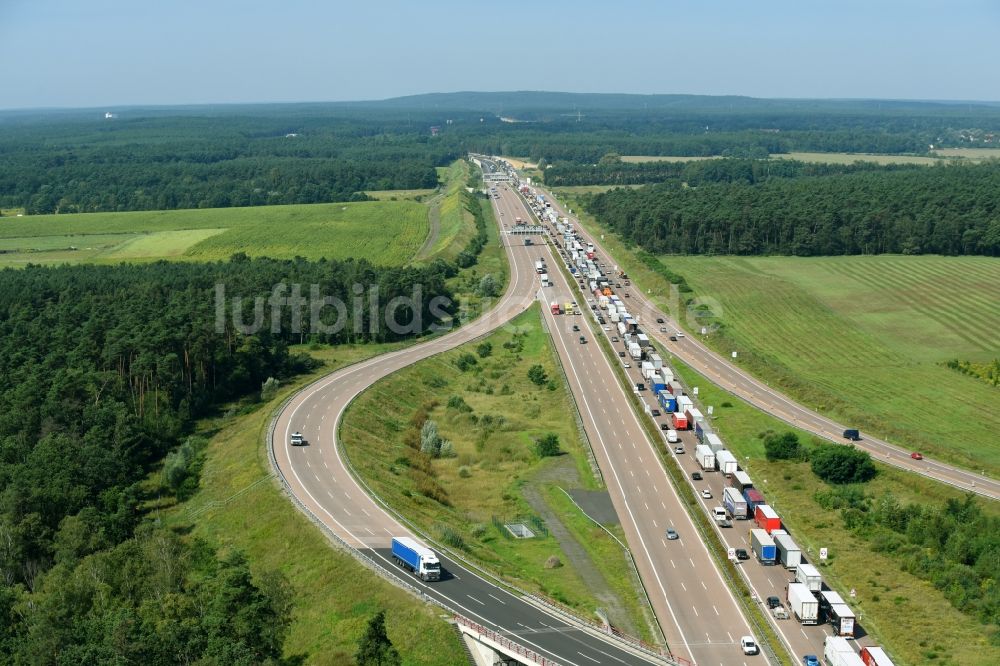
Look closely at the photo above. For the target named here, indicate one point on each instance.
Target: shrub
(484, 349)
(458, 403)
(430, 441)
(447, 449)
(466, 361)
(547, 445)
(835, 463)
(464, 471)
(782, 447)
(536, 374)
(269, 389)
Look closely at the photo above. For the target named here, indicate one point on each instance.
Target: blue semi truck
(416, 557)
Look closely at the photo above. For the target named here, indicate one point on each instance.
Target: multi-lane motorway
(728, 376)
(318, 476)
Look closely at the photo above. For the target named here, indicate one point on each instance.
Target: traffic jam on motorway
(667, 403)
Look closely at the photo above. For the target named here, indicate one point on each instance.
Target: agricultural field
(492, 414)
(830, 158)
(385, 232)
(665, 158)
(969, 153)
(865, 339)
(397, 195)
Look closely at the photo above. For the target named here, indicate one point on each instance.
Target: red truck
(766, 518)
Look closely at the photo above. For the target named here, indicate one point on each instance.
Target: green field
(395, 195)
(864, 339)
(970, 154)
(385, 232)
(495, 467)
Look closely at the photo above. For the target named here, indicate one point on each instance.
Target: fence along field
(865, 339)
(385, 232)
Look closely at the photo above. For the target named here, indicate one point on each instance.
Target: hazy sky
(116, 52)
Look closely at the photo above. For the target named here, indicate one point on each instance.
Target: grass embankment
(493, 414)
(397, 195)
(865, 340)
(907, 615)
(238, 506)
(451, 225)
(384, 232)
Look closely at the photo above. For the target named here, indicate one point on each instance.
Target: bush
(488, 286)
(547, 445)
(782, 447)
(464, 471)
(458, 403)
(466, 361)
(447, 449)
(269, 389)
(430, 441)
(840, 464)
(536, 374)
(485, 349)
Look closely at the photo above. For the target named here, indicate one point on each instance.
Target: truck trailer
(753, 498)
(715, 442)
(837, 612)
(766, 518)
(704, 456)
(556, 308)
(668, 403)
(808, 575)
(838, 652)
(735, 504)
(789, 553)
(763, 546)
(680, 421)
(803, 604)
(741, 481)
(724, 460)
(418, 558)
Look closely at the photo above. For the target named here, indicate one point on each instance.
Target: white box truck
(808, 575)
(724, 460)
(705, 458)
(803, 604)
(838, 652)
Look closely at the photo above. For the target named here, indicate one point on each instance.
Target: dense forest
(105, 368)
(610, 170)
(196, 157)
(938, 210)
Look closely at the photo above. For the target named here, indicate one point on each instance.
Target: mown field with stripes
(865, 339)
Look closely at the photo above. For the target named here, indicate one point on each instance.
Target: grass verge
(240, 506)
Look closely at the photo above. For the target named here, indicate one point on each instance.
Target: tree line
(950, 210)
(105, 369)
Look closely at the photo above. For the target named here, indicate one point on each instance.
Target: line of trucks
(770, 543)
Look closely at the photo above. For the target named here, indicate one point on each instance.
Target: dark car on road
(659, 320)
(742, 554)
(664, 426)
(696, 476)
(852, 434)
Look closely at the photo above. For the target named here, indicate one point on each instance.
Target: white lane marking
(691, 561)
(330, 494)
(325, 465)
(587, 657)
(715, 609)
(498, 599)
(476, 600)
(684, 586)
(308, 464)
(703, 585)
(695, 611)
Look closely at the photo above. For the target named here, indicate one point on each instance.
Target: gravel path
(563, 472)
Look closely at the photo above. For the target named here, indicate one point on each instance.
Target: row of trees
(939, 210)
(611, 170)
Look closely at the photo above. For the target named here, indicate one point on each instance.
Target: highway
(730, 377)
(318, 476)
